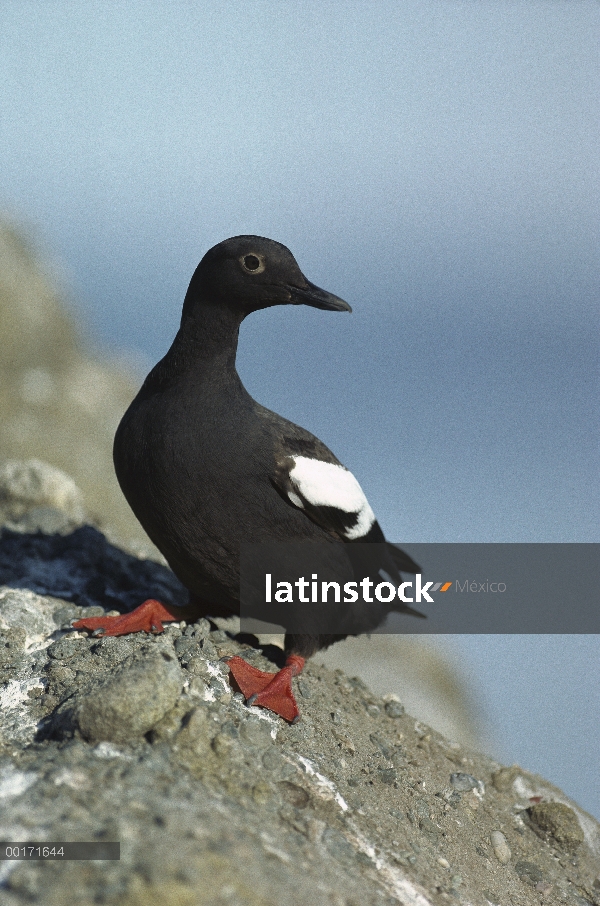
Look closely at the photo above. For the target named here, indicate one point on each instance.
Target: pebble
(198, 666)
(386, 749)
(209, 650)
(62, 674)
(222, 745)
(198, 687)
(304, 689)
(219, 636)
(112, 647)
(463, 782)
(261, 792)
(500, 847)
(443, 862)
(358, 684)
(529, 873)
(428, 827)
(131, 701)
(387, 775)
(293, 794)
(560, 822)
(451, 797)
(394, 709)
(93, 610)
(184, 645)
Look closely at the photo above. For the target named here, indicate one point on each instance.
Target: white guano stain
(110, 750)
(215, 670)
(14, 782)
(15, 698)
(327, 789)
(388, 876)
(266, 715)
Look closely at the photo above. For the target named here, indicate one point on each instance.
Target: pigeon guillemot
(204, 467)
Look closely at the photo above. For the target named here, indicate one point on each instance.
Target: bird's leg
(148, 617)
(269, 690)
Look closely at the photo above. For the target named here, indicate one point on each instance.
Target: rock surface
(142, 740)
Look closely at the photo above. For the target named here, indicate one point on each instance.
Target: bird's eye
(253, 264)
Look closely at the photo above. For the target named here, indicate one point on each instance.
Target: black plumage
(205, 467)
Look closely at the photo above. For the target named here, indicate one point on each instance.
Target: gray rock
(529, 873)
(559, 822)
(24, 610)
(38, 489)
(394, 709)
(462, 783)
(139, 739)
(130, 703)
(500, 847)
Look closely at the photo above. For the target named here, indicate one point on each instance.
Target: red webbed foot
(148, 617)
(269, 690)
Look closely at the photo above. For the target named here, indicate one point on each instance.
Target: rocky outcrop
(58, 402)
(142, 740)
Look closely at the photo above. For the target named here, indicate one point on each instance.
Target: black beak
(317, 297)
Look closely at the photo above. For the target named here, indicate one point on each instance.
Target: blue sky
(434, 163)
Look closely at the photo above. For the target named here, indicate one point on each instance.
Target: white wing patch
(327, 484)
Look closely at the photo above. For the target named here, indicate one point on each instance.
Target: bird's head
(249, 273)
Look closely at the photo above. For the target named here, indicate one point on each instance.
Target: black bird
(205, 468)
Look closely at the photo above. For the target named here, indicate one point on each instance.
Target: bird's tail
(402, 563)
(401, 559)
(384, 561)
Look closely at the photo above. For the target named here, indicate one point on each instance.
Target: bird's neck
(205, 347)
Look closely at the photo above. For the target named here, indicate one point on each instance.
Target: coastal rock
(140, 740)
